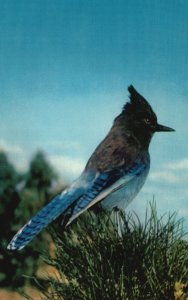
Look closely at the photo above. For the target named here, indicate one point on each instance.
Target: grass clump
(117, 257)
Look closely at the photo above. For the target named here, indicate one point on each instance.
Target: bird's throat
(143, 136)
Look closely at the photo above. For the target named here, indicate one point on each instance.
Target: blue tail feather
(44, 217)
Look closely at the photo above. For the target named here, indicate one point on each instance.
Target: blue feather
(101, 184)
(73, 201)
(49, 213)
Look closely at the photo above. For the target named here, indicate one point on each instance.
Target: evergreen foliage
(40, 175)
(98, 258)
(21, 195)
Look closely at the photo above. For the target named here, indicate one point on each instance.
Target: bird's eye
(147, 121)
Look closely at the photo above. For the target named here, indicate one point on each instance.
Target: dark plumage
(131, 133)
(113, 175)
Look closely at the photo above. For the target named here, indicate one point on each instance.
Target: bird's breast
(126, 193)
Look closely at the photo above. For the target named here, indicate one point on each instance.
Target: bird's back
(119, 149)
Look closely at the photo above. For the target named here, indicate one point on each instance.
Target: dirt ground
(43, 272)
(8, 295)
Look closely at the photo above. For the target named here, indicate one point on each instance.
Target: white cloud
(16, 154)
(67, 166)
(164, 175)
(172, 172)
(10, 148)
(178, 165)
(183, 212)
(21, 164)
(66, 145)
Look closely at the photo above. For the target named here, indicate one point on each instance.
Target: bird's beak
(160, 127)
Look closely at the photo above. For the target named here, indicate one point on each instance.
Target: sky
(64, 71)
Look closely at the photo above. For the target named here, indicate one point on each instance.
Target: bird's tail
(44, 217)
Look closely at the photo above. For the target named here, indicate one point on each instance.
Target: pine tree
(17, 206)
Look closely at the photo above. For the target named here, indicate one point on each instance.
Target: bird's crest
(137, 103)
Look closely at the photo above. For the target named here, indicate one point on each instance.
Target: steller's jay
(114, 174)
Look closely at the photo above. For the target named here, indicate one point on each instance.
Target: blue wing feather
(81, 195)
(101, 184)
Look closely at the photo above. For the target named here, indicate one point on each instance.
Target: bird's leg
(115, 215)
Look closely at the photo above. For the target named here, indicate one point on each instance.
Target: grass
(117, 257)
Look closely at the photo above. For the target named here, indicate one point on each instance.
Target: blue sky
(64, 71)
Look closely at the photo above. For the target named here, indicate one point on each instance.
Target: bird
(113, 175)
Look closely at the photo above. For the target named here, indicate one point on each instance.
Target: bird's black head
(140, 117)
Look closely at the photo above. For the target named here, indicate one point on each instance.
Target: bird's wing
(89, 189)
(105, 184)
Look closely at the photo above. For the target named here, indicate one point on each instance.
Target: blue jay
(114, 174)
